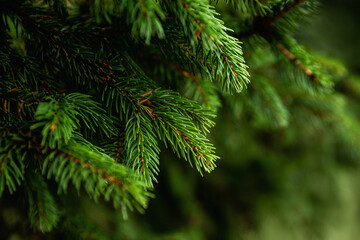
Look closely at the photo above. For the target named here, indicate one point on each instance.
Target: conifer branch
(199, 154)
(46, 32)
(65, 113)
(54, 51)
(100, 172)
(169, 119)
(220, 53)
(96, 172)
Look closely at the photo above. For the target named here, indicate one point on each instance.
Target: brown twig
(3, 161)
(296, 61)
(65, 51)
(145, 101)
(19, 110)
(5, 106)
(104, 74)
(147, 93)
(188, 51)
(14, 89)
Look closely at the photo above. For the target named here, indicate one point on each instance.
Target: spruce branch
(142, 148)
(51, 34)
(173, 118)
(202, 154)
(59, 117)
(214, 47)
(75, 161)
(91, 168)
(97, 173)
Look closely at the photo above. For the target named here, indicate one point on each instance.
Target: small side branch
(189, 51)
(296, 61)
(196, 150)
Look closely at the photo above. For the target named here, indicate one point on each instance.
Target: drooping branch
(102, 173)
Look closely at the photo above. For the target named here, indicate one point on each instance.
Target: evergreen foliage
(92, 91)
